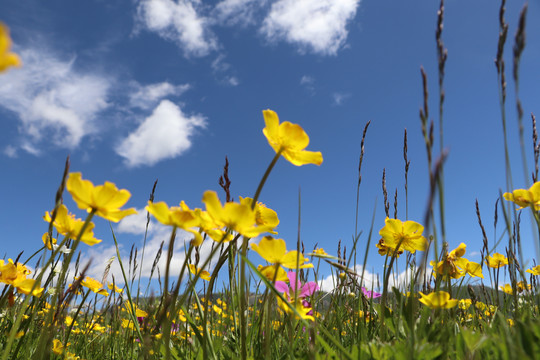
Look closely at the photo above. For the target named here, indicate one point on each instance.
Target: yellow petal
(460, 250)
(272, 274)
(293, 136)
(289, 260)
(411, 227)
(304, 157)
(160, 211)
(270, 249)
(213, 205)
(7, 59)
(272, 124)
(109, 196)
(80, 190)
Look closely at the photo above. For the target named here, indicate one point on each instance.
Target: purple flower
(370, 294)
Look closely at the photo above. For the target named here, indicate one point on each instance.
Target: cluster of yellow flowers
(454, 265)
(59, 349)
(220, 221)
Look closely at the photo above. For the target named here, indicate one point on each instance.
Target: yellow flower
(480, 306)
(264, 216)
(438, 300)
(24, 286)
(408, 234)
(203, 274)
(67, 225)
(58, 348)
(69, 320)
(94, 285)
(385, 250)
(115, 288)
(217, 309)
(300, 308)
(270, 272)
(138, 312)
(521, 286)
(535, 270)
(464, 304)
(127, 324)
(181, 217)
(525, 197)
(289, 139)
(15, 275)
(456, 266)
(497, 261)
(234, 216)
(48, 241)
(320, 252)
(507, 288)
(275, 252)
(7, 59)
(105, 199)
(181, 315)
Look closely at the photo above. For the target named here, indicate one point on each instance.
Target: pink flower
(370, 294)
(297, 290)
(304, 290)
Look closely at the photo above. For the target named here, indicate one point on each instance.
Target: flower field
(270, 305)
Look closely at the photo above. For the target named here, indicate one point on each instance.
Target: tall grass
(432, 314)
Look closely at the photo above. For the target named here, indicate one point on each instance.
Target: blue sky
(135, 91)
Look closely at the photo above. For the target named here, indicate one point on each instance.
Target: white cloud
(163, 135)
(135, 224)
(316, 25)
(10, 151)
(54, 102)
(221, 68)
(145, 97)
(232, 81)
(178, 21)
(237, 12)
(308, 82)
(219, 64)
(339, 98)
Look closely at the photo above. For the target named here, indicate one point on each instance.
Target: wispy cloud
(222, 70)
(237, 12)
(319, 26)
(54, 102)
(147, 96)
(232, 81)
(308, 82)
(10, 151)
(178, 21)
(340, 98)
(165, 134)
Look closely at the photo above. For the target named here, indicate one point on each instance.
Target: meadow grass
(261, 310)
